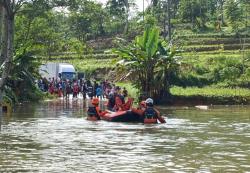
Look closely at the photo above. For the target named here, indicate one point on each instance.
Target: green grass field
(210, 92)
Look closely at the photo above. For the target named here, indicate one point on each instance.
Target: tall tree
(117, 11)
(127, 5)
(87, 20)
(2, 35)
(11, 8)
(194, 11)
(234, 13)
(120, 9)
(221, 4)
(7, 48)
(169, 19)
(163, 11)
(245, 5)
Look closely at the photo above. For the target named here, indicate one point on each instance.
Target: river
(55, 136)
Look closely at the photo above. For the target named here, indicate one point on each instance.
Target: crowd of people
(87, 88)
(116, 97)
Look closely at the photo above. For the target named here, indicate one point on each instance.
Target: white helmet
(149, 101)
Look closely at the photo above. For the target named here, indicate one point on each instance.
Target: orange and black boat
(122, 116)
(133, 115)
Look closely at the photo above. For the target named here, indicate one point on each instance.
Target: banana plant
(21, 82)
(151, 61)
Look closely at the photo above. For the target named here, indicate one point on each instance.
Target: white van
(57, 71)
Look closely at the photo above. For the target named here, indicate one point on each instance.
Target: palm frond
(152, 42)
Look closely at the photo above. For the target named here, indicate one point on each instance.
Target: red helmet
(95, 101)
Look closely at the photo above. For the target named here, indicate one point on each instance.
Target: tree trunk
(247, 6)
(143, 10)
(2, 15)
(169, 21)
(8, 53)
(192, 18)
(3, 36)
(165, 21)
(222, 12)
(127, 15)
(126, 25)
(1, 24)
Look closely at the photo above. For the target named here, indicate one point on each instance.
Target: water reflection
(55, 137)
(1, 121)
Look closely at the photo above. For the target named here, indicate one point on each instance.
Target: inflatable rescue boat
(122, 116)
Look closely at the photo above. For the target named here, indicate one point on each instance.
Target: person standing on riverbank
(99, 91)
(68, 89)
(75, 89)
(84, 90)
(125, 92)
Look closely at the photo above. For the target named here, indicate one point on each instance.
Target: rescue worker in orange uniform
(120, 104)
(149, 114)
(94, 111)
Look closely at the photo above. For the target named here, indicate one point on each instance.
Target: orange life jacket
(150, 121)
(150, 115)
(93, 113)
(121, 106)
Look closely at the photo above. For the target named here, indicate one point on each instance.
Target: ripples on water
(55, 137)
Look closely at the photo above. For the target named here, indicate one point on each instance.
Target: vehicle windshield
(68, 75)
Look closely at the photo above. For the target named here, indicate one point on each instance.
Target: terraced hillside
(207, 57)
(214, 43)
(214, 46)
(203, 55)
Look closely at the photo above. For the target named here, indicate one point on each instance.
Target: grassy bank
(210, 95)
(206, 95)
(210, 92)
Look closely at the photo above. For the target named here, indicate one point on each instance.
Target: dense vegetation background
(211, 39)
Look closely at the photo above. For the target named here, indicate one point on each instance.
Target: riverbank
(209, 95)
(208, 100)
(191, 96)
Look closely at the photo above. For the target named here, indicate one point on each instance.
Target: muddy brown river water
(55, 136)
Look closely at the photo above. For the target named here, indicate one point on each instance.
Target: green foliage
(42, 35)
(213, 53)
(151, 62)
(119, 11)
(194, 11)
(21, 85)
(210, 91)
(9, 96)
(225, 70)
(75, 45)
(233, 13)
(230, 73)
(132, 91)
(150, 21)
(116, 8)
